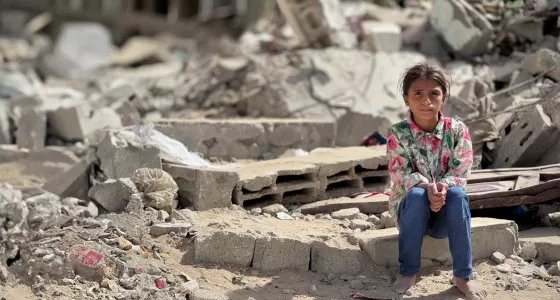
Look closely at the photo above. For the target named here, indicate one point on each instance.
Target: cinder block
(337, 256)
(381, 37)
(276, 253)
(225, 248)
(203, 188)
(487, 236)
(525, 141)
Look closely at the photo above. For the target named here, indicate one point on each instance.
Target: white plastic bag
(173, 150)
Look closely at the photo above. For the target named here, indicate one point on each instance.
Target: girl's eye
(418, 93)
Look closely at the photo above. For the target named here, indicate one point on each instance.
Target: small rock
(124, 244)
(498, 257)
(504, 268)
(349, 213)
(284, 216)
(356, 284)
(360, 224)
(526, 270)
(274, 209)
(287, 291)
(254, 273)
(388, 221)
(256, 211)
(166, 228)
(437, 273)
(528, 251)
(3, 273)
(163, 215)
(91, 211)
(542, 273)
(517, 259)
(160, 283)
(189, 287)
(374, 219)
(510, 262)
(313, 288)
(554, 270)
(49, 257)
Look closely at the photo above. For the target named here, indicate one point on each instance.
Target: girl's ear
(405, 97)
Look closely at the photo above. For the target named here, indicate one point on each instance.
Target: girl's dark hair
(426, 71)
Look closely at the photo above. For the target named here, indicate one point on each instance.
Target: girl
(430, 157)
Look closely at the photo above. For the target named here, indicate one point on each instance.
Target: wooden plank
(493, 187)
(525, 181)
(506, 201)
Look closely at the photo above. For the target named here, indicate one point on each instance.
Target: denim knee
(455, 193)
(417, 193)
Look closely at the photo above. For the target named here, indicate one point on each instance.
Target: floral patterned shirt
(415, 156)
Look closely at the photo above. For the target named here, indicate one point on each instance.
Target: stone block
(526, 140)
(371, 205)
(541, 61)
(9, 153)
(487, 236)
(381, 37)
(120, 154)
(78, 122)
(113, 195)
(225, 248)
(203, 188)
(337, 256)
(31, 131)
(276, 253)
(545, 239)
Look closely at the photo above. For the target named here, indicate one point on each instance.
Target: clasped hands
(437, 193)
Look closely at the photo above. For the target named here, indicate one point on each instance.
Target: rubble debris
(80, 121)
(166, 228)
(552, 220)
(528, 251)
(381, 37)
(31, 130)
(349, 214)
(352, 127)
(201, 294)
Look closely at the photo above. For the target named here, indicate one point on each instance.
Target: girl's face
(424, 98)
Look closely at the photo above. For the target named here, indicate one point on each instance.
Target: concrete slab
(248, 138)
(276, 253)
(546, 240)
(488, 236)
(31, 130)
(225, 248)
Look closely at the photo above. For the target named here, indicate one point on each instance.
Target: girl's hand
(436, 196)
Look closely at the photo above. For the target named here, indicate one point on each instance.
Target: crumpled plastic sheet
(173, 150)
(158, 186)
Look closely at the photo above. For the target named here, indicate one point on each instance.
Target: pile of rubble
(113, 158)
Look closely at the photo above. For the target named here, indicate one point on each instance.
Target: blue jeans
(453, 221)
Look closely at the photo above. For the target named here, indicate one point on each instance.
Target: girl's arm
(461, 160)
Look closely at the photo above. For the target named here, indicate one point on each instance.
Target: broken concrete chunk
(552, 220)
(352, 127)
(381, 37)
(9, 153)
(360, 224)
(528, 251)
(527, 28)
(158, 186)
(85, 46)
(78, 122)
(461, 26)
(13, 210)
(184, 215)
(498, 257)
(122, 146)
(542, 61)
(189, 287)
(44, 211)
(349, 213)
(74, 182)
(274, 208)
(113, 195)
(31, 130)
(166, 228)
(387, 220)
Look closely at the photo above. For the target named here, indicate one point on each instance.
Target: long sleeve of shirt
(401, 170)
(459, 163)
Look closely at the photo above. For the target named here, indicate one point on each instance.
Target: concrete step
(270, 244)
(487, 236)
(546, 240)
